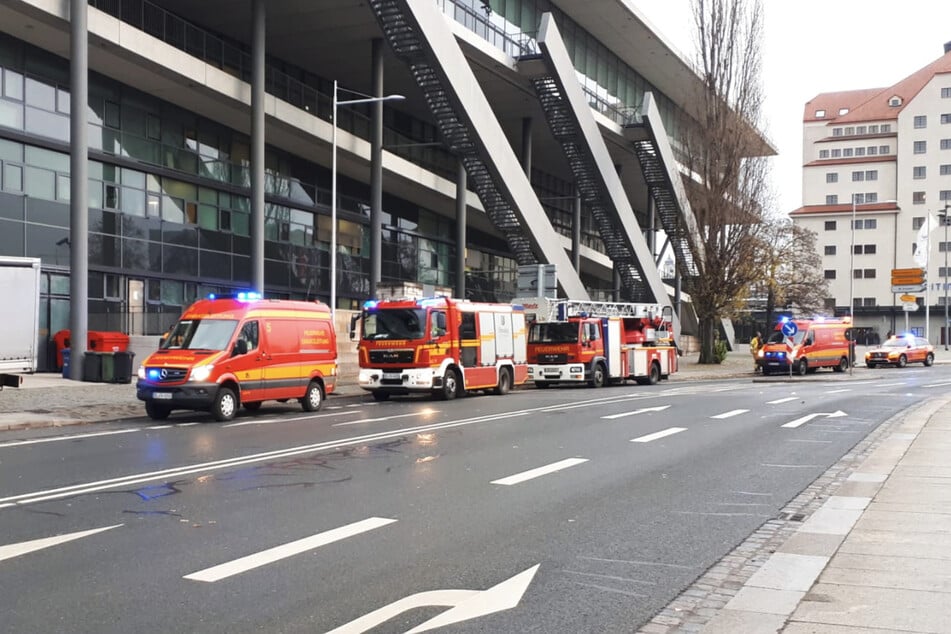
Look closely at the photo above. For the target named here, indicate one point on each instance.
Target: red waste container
(61, 342)
(96, 341)
(108, 341)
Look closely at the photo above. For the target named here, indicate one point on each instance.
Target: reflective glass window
(40, 94)
(39, 183)
(207, 216)
(133, 201)
(173, 209)
(48, 124)
(133, 178)
(38, 157)
(11, 151)
(12, 85)
(11, 115)
(62, 187)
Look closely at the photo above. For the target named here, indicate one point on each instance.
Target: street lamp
(944, 221)
(333, 183)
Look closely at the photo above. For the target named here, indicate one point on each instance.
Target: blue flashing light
(784, 320)
(370, 304)
(211, 295)
(247, 296)
(154, 374)
(431, 301)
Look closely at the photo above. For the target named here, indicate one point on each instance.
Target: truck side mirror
(240, 347)
(353, 326)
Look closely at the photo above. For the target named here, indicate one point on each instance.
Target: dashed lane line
(670, 431)
(540, 471)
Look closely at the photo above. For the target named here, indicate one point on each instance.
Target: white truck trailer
(20, 317)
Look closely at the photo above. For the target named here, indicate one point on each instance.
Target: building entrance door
(136, 295)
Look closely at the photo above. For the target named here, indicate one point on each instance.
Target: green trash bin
(108, 366)
(92, 367)
(123, 367)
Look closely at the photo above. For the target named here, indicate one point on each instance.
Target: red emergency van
(225, 352)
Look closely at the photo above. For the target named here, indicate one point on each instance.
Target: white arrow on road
(464, 604)
(808, 417)
(637, 411)
(15, 550)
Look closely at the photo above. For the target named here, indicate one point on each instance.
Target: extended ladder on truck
(548, 309)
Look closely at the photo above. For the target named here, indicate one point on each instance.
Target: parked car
(900, 351)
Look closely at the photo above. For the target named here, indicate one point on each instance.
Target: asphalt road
(285, 522)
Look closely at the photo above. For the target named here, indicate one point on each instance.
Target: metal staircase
(652, 147)
(573, 125)
(418, 34)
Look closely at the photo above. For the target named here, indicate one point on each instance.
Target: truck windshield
(394, 323)
(779, 337)
(553, 333)
(200, 334)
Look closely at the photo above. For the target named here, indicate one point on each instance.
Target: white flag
(921, 244)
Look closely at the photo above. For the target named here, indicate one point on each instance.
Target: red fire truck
(573, 341)
(440, 345)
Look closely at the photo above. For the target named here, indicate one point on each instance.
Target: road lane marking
(540, 471)
(659, 434)
(423, 413)
(789, 466)
(464, 605)
(808, 417)
(159, 427)
(659, 408)
(609, 401)
(15, 550)
(895, 384)
(946, 383)
(782, 400)
(231, 568)
(36, 441)
(271, 421)
(845, 389)
(176, 472)
(731, 413)
(186, 424)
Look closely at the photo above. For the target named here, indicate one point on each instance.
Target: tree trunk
(770, 308)
(707, 339)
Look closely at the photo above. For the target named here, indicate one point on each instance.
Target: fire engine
(440, 345)
(573, 341)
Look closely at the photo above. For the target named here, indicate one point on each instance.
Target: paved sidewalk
(875, 557)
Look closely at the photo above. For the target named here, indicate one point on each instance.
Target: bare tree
(792, 270)
(729, 189)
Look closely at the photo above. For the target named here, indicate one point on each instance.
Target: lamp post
(333, 182)
(944, 221)
(852, 290)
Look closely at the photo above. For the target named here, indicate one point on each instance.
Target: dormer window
(843, 111)
(820, 114)
(894, 102)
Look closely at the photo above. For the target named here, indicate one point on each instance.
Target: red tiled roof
(872, 104)
(832, 102)
(861, 208)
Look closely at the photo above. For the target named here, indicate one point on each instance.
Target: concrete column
(616, 292)
(652, 226)
(576, 234)
(257, 144)
(461, 219)
(376, 170)
(527, 146)
(78, 186)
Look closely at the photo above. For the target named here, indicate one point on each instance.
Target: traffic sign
(908, 298)
(904, 277)
(909, 307)
(789, 328)
(908, 288)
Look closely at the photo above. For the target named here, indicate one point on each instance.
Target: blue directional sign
(789, 329)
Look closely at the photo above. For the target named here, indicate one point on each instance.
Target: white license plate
(162, 396)
(392, 375)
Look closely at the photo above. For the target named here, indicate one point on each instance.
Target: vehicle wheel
(253, 406)
(929, 360)
(597, 375)
(654, 375)
(871, 366)
(505, 382)
(450, 386)
(313, 397)
(225, 405)
(543, 385)
(802, 367)
(902, 361)
(843, 365)
(380, 395)
(157, 412)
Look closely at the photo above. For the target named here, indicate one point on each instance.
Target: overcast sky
(817, 47)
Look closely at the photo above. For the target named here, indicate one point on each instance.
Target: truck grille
(391, 356)
(553, 358)
(167, 375)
